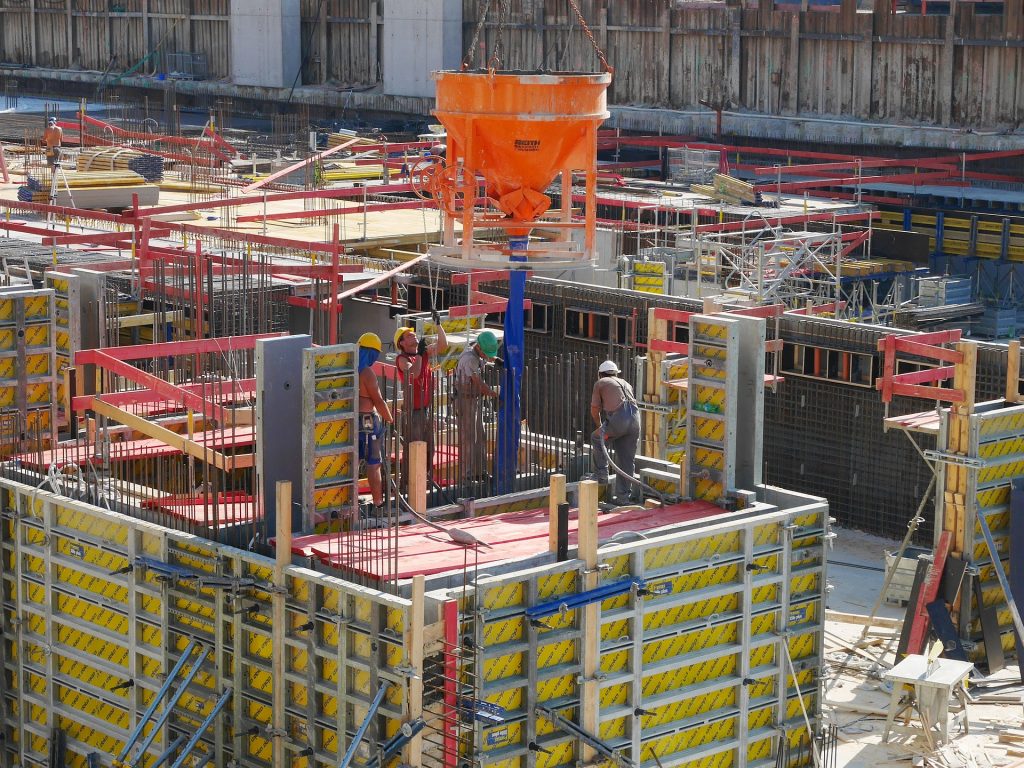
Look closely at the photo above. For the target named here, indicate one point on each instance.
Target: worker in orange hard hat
(415, 357)
(53, 137)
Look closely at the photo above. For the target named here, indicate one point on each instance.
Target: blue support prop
(506, 456)
(396, 742)
(137, 730)
(361, 731)
(168, 752)
(580, 599)
(940, 231)
(158, 724)
(202, 729)
(907, 219)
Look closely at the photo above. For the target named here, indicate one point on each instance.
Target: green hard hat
(488, 343)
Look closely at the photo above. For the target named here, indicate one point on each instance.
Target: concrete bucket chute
(510, 134)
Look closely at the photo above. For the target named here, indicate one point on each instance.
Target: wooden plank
(587, 552)
(418, 476)
(279, 648)
(413, 751)
(556, 496)
(1013, 371)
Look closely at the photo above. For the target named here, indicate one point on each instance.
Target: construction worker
(470, 389)
(614, 410)
(53, 137)
(373, 415)
(413, 363)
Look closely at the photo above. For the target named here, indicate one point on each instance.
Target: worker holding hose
(614, 410)
(414, 369)
(373, 415)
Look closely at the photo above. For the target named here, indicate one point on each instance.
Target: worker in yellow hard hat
(414, 370)
(470, 390)
(373, 415)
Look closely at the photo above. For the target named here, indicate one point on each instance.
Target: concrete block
(266, 43)
(419, 37)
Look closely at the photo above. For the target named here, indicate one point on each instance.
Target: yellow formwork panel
(83, 622)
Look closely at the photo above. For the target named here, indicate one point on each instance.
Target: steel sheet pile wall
(694, 637)
(97, 608)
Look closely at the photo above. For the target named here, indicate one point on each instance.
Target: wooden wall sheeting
(965, 71)
(86, 34)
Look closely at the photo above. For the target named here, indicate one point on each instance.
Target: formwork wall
(696, 659)
(97, 607)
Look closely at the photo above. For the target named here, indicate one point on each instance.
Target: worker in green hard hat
(470, 391)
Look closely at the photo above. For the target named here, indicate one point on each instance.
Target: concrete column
(420, 36)
(266, 42)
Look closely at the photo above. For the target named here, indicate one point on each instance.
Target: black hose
(639, 483)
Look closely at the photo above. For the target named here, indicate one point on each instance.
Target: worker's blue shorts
(371, 430)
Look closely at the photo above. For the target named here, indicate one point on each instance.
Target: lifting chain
(590, 35)
(470, 57)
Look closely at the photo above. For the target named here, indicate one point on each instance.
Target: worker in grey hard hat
(617, 418)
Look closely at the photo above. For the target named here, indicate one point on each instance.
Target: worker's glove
(435, 316)
(421, 348)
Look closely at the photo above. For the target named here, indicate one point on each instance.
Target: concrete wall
(265, 42)
(420, 36)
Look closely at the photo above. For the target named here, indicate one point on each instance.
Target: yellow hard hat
(401, 332)
(370, 341)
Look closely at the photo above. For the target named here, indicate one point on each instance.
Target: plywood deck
(422, 549)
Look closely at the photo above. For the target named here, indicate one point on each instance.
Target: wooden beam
(413, 751)
(279, 649)
(556, 496)
(1013, 372)
(173, 439)
(587, 552)
(417, 480)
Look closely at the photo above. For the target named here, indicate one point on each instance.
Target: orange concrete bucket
(519, 130)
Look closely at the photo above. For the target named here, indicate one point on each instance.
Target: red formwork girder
(918, 383)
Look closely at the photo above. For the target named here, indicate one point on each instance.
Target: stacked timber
(732, 191)
(94, 190)
(335, 139)
(149, 167)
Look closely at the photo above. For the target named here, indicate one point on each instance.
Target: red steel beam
(142, 396)
(165, 389)
(215, 345)
(674, 347)
(99, 238)
(801, 218)
(819, 309)
(324, 212)
(673, 315)
(301, 164)
(476, 277)
(316, 194)
(477, 310)
(902, 178)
